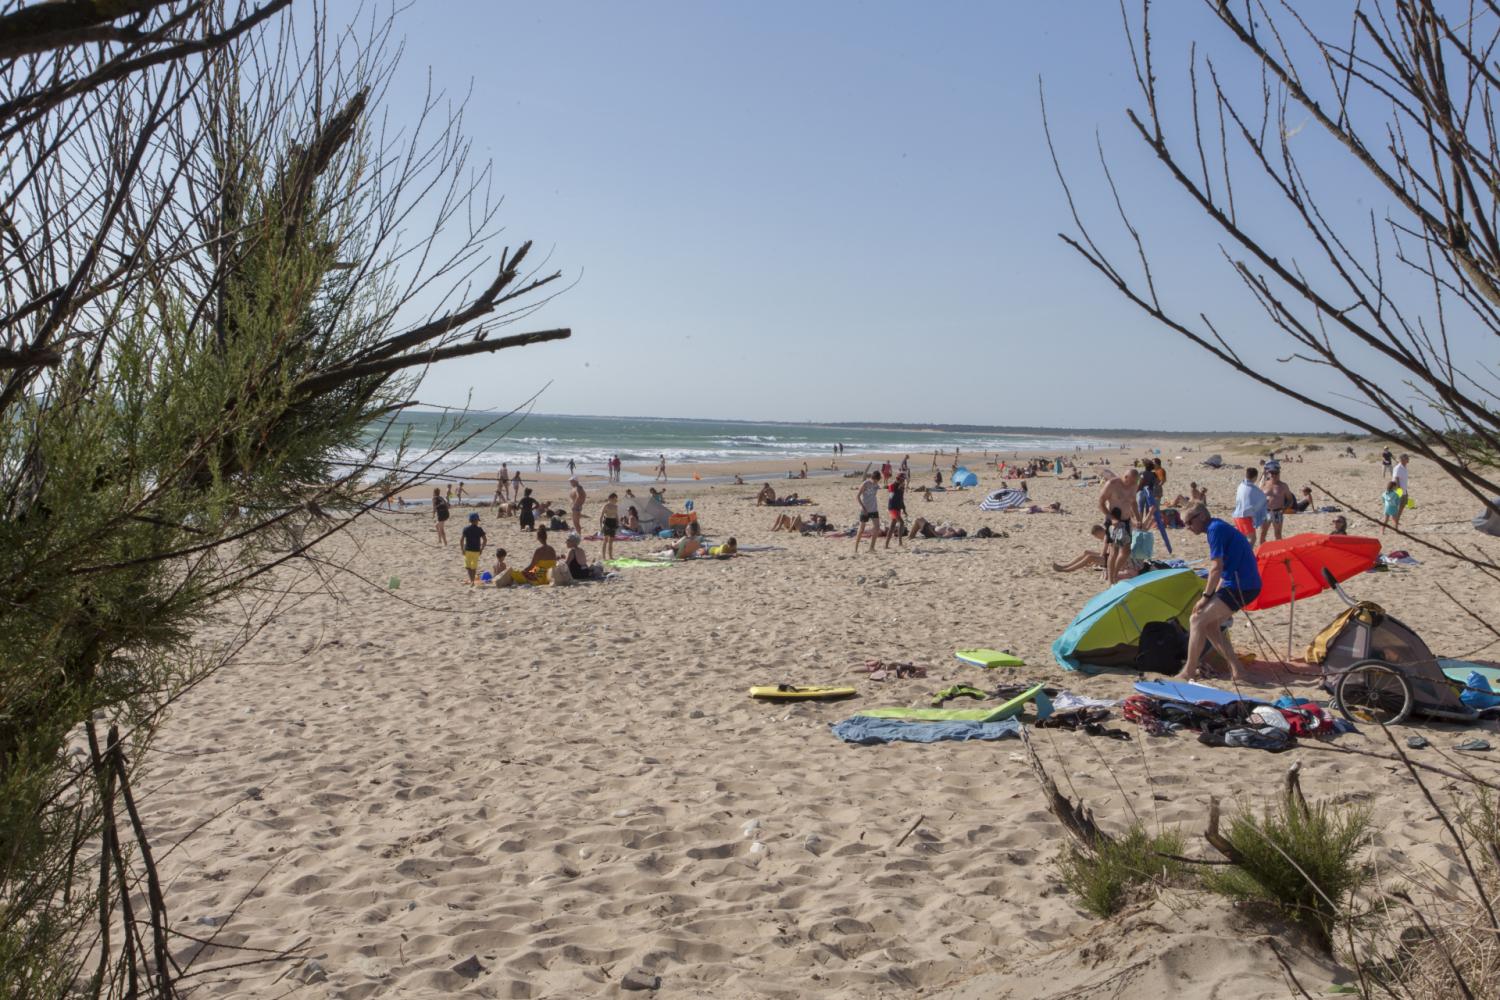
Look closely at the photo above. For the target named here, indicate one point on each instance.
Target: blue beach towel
(868, 732)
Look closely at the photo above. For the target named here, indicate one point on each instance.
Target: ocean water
(481, 442)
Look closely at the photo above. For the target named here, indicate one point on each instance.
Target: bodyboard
(1190, 693)
(792, 692)
(989, 658)
(1458, 670)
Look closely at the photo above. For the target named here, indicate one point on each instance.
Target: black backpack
(1163, 647)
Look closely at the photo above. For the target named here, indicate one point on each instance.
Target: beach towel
(865, 731)
(1005, 500)
(629, 563)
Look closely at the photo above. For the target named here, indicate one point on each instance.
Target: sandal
(904, 670)
(1474, 744)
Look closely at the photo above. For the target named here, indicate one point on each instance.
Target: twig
(911, 830)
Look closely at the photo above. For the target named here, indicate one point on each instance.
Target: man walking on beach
(1249, 505)
(1117, 502)
(1385, 465)
(1399, 474)
(473, 546)
(502, 484)
(1233, 582)
(869, 511)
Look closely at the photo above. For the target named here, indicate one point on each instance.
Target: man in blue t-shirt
(1233, 582)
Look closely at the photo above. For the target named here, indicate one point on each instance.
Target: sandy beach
(565, 784)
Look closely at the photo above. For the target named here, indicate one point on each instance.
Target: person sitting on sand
(739, 480)
(766, 495)
(1089, 560)
(1303, 505)
(500, 569)
(632, 520)
(690, 544)
(1340, 525)
(542, 561)
(574, 565)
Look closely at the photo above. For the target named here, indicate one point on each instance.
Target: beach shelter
(1488, 521)
(1298, 567)
(1292, 568)
(1004, 500)
(963, 477)
(1107, 631)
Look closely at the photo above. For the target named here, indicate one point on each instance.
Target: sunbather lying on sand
(815, 524)
(923, 528)
(1055, 507)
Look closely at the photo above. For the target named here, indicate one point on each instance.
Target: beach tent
(1214, 461)
(1107, 631)
(1004, 500)
(1488, 521)
(655, 515)
(963, 477)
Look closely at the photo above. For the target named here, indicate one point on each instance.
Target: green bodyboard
(989, 658)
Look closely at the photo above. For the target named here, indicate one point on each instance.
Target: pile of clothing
(1251, 724)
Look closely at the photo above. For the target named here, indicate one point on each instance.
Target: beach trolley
(1380, 671)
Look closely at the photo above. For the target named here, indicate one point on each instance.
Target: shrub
(1303, 860)
(1102, 878)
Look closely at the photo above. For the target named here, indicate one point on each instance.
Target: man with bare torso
(1279, 500)
(1118, 505)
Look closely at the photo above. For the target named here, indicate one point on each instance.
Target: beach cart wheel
(1373, 691)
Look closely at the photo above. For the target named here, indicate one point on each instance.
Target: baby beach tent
(1107, 631)
(963, 477)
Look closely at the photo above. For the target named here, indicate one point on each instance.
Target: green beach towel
(994, 714)
(627, 562)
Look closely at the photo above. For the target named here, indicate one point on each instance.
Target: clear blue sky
(835, 211)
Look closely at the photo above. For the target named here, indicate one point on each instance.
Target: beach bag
(1163, 647)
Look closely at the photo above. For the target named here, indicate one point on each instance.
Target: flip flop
(1474, 744)
(1417, 742)
(909, 670)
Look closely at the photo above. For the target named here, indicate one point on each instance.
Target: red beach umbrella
(1292, 568)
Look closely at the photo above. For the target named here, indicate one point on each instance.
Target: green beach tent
(1108, 629)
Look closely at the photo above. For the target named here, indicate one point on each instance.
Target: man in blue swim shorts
(1233, 582)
